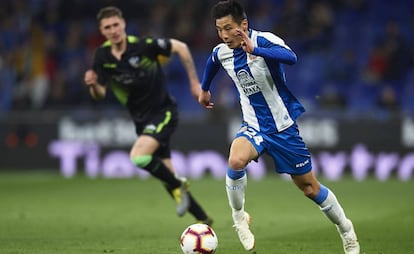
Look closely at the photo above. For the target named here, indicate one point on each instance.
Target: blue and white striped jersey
(267, 104)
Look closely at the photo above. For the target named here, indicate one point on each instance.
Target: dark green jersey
(137, 80)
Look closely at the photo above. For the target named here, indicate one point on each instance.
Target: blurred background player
(129, 65)
(253, 60)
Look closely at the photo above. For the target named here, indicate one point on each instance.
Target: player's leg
(291, 156)
(194, 207)
(330, 206)
(143, 156)
(241, 153)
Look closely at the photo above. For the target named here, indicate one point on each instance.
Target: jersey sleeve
(159, 46)
(211, 69)
(97, 66)
(272, 47)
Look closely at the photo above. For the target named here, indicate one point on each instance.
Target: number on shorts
(251, 133)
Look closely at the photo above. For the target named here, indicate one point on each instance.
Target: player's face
(113, 28)
(226, 29)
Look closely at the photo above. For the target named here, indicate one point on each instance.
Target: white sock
(235, 193)
(334, 211)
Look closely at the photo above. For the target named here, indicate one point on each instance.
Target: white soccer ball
(198, 239)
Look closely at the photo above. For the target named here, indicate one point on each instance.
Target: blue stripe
(294, 107)
(235, 174)
(322, 195)
(211, 69)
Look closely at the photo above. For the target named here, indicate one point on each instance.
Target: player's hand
(90, 78)
(204, 99)
(246, 44)
(195, 90)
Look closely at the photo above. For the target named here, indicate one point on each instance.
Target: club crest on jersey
(247, 83)
(134, 61)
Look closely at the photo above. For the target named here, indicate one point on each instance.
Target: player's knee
(237, 163)
(309, 191)
(141, 161)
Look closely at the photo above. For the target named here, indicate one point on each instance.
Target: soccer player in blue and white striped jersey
(254, 61)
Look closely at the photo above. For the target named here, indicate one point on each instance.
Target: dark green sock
(157, 168)
(196, 210)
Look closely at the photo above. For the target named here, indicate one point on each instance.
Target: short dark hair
(107, 12)
(229, 7)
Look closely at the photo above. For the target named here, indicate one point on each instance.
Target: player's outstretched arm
(96, 90)
(186, 58)
(210, 71)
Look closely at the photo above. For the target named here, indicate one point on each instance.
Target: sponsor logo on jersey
(125, 79)
(227, 60)
(247, 83)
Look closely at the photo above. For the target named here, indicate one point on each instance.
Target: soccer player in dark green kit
(130, 66)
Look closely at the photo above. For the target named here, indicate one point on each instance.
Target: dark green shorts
(160, 126)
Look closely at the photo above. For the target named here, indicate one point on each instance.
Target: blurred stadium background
(355, 76)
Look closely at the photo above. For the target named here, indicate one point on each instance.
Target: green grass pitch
(43, 213)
